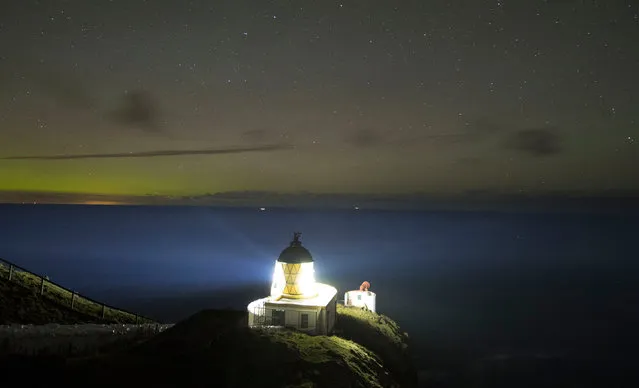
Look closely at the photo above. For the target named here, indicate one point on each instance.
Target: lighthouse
(296, 299)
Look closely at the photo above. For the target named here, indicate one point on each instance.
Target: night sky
(320, 96)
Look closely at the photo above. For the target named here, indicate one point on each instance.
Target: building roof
(324, 295)
(295, 253)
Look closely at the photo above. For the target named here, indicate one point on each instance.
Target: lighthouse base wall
(314, 316)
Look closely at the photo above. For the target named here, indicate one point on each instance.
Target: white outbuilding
(362, 298)
(297, 300)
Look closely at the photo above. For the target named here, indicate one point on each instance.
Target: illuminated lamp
(294, 274)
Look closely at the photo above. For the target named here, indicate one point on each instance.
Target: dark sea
(487, 298)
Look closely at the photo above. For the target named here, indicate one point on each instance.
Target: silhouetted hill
(213, 347)
(216, 348)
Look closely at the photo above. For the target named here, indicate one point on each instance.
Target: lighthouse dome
(295, 253)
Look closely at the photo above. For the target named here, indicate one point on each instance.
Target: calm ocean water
(492, 284)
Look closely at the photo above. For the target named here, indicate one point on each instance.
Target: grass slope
(31, 303)
(216, 348)
(20, 305)
(381, 335)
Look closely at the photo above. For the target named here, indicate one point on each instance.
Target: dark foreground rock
(216, 349)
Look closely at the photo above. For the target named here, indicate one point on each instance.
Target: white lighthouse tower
(296, 299)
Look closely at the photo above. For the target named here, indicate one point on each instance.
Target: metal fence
(45, 288)
(261, 318)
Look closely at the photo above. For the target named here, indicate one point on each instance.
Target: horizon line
(251, 194)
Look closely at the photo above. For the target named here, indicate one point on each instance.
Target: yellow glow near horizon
(119, 177)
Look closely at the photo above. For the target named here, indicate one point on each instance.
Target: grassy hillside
(34, 300)
(381, 335)
(216, 348)
(21, 305)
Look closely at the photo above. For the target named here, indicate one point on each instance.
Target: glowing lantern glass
(294, 275)
(293, 280)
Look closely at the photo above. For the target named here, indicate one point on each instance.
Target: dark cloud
(536, 141)
(136, 108)
(151, 154)
(139, 109)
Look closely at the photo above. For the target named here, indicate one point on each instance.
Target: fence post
(10, 271)
(73, 300)
(103, 308)
(136, 319)
(42, 286)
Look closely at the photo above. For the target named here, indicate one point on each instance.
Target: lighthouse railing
(262, 319)
(43, 287)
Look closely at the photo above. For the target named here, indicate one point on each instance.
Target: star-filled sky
(321, 96)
